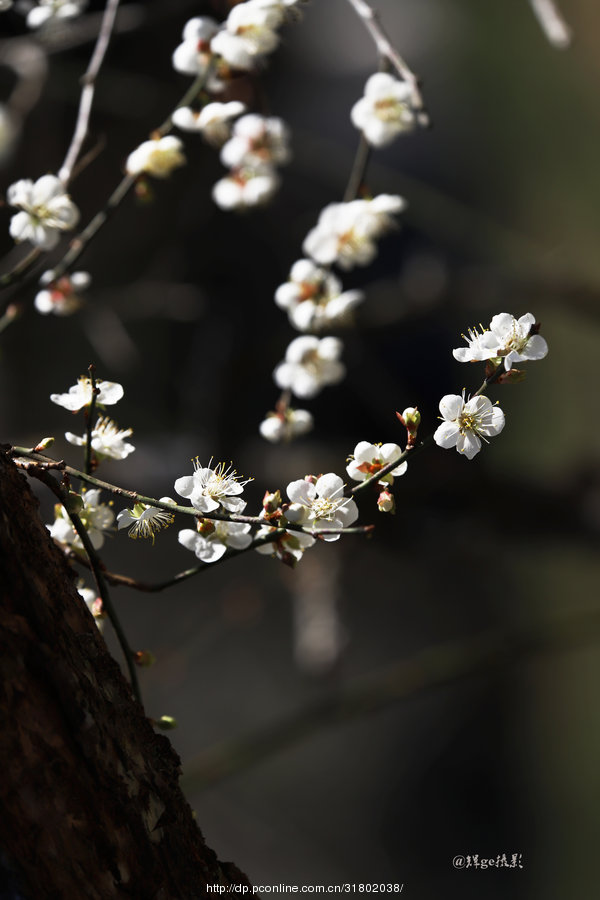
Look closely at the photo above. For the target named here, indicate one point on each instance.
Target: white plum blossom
(80, 394)
(310, 363)
(384, 111)
(193, 55)
(145, 521)
(480, 345)
(208, 489)
(346, 232)
(313, 298)
(213, 121)
(96, 517)
(46, 210)
(321, 504)
(212, 539)
(466, 424)
(245, 188)
(257, 141)
(515, 340)
(286, 425)
(107, 439)
(46, 10)
(249, 33)
(288, 546)
(61, 296)
(156, 157)
(371, 458)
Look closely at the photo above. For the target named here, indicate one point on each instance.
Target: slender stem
(385, 49)
(21, 269)
(89, 421)
(97, 570)
(552, 23)
(359, 169)
(87, 93)
(173, 507)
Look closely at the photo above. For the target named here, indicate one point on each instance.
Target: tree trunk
(91, 805)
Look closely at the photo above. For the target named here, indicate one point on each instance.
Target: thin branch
(21, 269)
(153, 588)
(359, 169)
(173, 507)
(96, 566)
(431, 668)
(385, 49)
(552, 23)
(87, 93)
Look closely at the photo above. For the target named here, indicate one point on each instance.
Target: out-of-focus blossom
(384, 111)
(47, 10)
(346, 232)
(287, 425)
(257, 141)
(193, 55)
(61, 297)
(46, 210)
(466, 424)
(314, 299)
(245, 188)
(96, 517)
(80, 394)
(212, 539)
(249, 33)
(156, 157)
(213, 121)
(107, 439)
(310, 363)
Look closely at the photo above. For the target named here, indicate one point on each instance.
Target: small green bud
(165, 723)
(73, 502)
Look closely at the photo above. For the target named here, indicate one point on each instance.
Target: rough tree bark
(91, 805)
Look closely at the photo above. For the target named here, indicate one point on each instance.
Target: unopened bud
(43, 444)
(144, 658)
(205, 527)
(312, 479)
(165, 723)
(412, 419)
(513, 376)
(386, 502)
(271, 501)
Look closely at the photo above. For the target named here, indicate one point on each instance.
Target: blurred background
(432, 691)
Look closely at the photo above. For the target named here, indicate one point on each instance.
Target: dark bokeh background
(504, 215)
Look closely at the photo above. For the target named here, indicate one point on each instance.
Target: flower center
(388, 109)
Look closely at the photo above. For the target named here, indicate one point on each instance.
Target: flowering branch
(173, 507)
(385, 49)
(97, 570)
(552, 22)
(87, 94)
